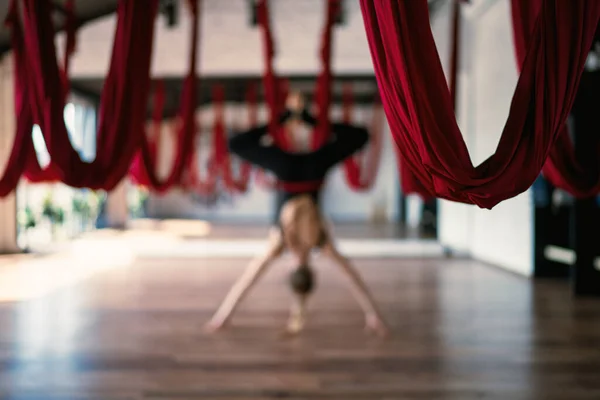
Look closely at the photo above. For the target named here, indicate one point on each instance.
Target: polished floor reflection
(104, 325)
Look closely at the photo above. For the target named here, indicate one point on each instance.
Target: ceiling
(86, 10)
(90, 10)
(230, 47)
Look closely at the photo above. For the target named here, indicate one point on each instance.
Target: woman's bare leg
(243, 285)
(373, 317)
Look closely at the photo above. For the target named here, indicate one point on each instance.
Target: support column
(586, 213)
(117, 210)
(551, 229)
(8, 204)
(402, 209)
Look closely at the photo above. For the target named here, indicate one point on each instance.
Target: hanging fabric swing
(263, 178)
(272, 89)
(185, 125)
(137, 172)
(361, 174)
(23, 143)
(219, 166)
(357, 178)
(34, 173)
(193, 180)
(274, 94)
(562, 168)
(221, 150)
(23, 160)
(409, 182)
(123, 99)
(323, 96)
(419, 107)
(239, 184)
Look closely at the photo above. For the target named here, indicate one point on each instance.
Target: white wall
(340, 203)
(502, 236)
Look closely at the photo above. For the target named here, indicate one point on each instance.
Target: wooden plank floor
(461, 331)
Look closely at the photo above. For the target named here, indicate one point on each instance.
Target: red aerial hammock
(322, 130)
(23, 144)
(33, 171)
(263, 178)
(137, 172)
(193, 181)
(219, 161)
(361, 175)
(23, 159)
(562, 168)
(357, 178)
(221, 151)
(274, 94)
(272, 87)
(186, 126)
(239, 184)
(123, 99)
(419, 107)
(409, 182)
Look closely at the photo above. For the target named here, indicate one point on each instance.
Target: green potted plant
(27, 221)
(82, 209)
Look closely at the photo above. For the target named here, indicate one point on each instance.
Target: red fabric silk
(186, 129)
(562, 168)
(361, 176)
(22, 145)
(31, 169)
(138, 172)
(325, 79)
(220, 163)
(221, 151)
(193, 181)
(245, 170)
(419, 107)
(123, 101)
(273, 93)
(456, 20)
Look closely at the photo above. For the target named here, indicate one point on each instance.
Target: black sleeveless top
(298, 167)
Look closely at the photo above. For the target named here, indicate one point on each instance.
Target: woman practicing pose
(298, 223)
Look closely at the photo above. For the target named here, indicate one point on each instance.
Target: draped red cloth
(186, 129)
(221, 149)
(123, 101)
(22, 142)
(562, 168)
(220, 160)
(22, 145)
(274, 90)
(193, 181)
(361, 175)
(137, 172)
(419, 107)
(322, 131)
(272, 86)
(23, 160)
(454, 56)
(240, 184)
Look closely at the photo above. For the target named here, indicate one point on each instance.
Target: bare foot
(374, 324)
(295, 325)
(213, 326)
